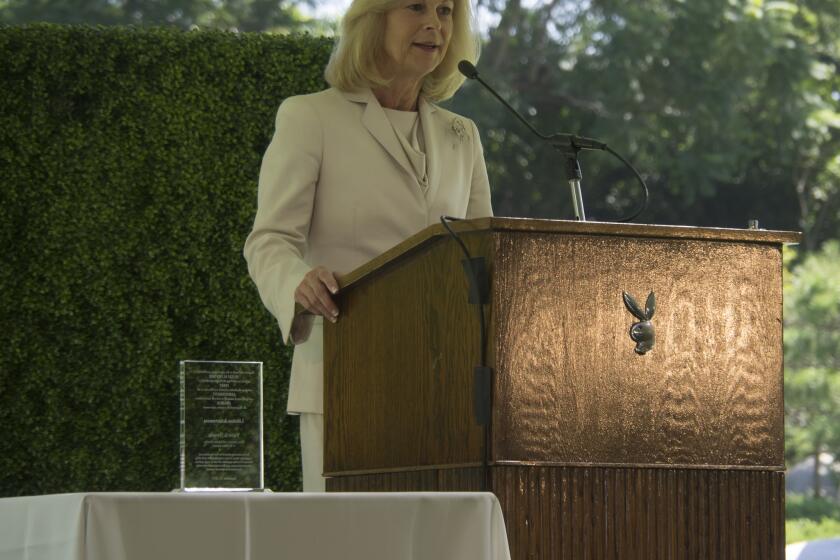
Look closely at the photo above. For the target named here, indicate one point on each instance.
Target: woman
(358, 168)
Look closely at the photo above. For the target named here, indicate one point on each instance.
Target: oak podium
(596, 448)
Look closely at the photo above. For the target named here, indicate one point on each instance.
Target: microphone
(561, 141)
(567, 144)
(468, 69)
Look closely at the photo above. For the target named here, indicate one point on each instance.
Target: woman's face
(417, 34)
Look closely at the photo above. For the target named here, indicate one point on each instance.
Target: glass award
(221, 426)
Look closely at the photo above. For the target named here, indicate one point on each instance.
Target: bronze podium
(594, 449)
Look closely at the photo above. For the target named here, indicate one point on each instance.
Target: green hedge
(128, 170)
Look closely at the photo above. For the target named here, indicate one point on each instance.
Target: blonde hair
(354, 61)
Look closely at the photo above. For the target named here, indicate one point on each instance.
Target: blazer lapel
(379, 126)
(432, 136)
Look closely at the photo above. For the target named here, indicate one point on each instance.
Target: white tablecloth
(213, 526)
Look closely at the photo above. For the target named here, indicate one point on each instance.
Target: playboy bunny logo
(642, 332)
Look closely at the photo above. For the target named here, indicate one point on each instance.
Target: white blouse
(409, 131)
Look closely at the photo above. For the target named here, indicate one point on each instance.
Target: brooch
(459, 129)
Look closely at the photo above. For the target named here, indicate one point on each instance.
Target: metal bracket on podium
(476, 271)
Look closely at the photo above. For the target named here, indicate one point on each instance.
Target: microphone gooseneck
(469, 70)
(567, 144)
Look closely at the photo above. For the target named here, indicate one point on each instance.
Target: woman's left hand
(314, 290)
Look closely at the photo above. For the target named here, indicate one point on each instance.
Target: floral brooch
(459, 129)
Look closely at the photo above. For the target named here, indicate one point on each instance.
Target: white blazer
(336, 189)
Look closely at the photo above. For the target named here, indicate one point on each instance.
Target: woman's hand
(314, 290)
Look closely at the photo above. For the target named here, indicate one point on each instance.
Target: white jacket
(336, 190)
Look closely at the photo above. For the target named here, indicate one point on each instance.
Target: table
(252, 526)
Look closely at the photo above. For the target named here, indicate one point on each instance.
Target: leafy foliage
(129, 162)
(244, 15)
(729, 108)
(808, 518)
(812, 354)
(800, 530)
(799, 507)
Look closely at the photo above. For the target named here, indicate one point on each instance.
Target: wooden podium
(595, 451)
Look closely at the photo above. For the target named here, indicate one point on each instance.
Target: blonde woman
(354, 170)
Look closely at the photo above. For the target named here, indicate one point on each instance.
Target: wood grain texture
(586, 435)
(399, 364)
(423, 238)
(582, 513)
(571, 390)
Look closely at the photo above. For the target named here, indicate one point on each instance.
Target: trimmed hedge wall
(128, 172)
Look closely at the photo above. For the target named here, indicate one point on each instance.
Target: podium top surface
(573, 227)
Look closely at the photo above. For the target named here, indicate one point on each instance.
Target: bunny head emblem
(642, 333)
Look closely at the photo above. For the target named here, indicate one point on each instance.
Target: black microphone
(468, 69)
(561, 141)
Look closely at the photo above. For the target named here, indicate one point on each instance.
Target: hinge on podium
(476, 271)
(482, 379)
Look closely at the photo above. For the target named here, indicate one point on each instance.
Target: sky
(333, 9)
(326, 9)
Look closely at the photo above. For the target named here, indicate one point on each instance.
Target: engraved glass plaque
(221, 426)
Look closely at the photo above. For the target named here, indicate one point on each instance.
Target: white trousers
(312, 451)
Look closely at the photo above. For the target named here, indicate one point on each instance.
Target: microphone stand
(574, 175)
(569, 145)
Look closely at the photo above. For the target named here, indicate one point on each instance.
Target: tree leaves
(812, 353)
(725, 107)
(243, 15)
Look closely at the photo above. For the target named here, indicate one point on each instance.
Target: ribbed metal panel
(427, 480)
(602, 513)
(579, 513)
